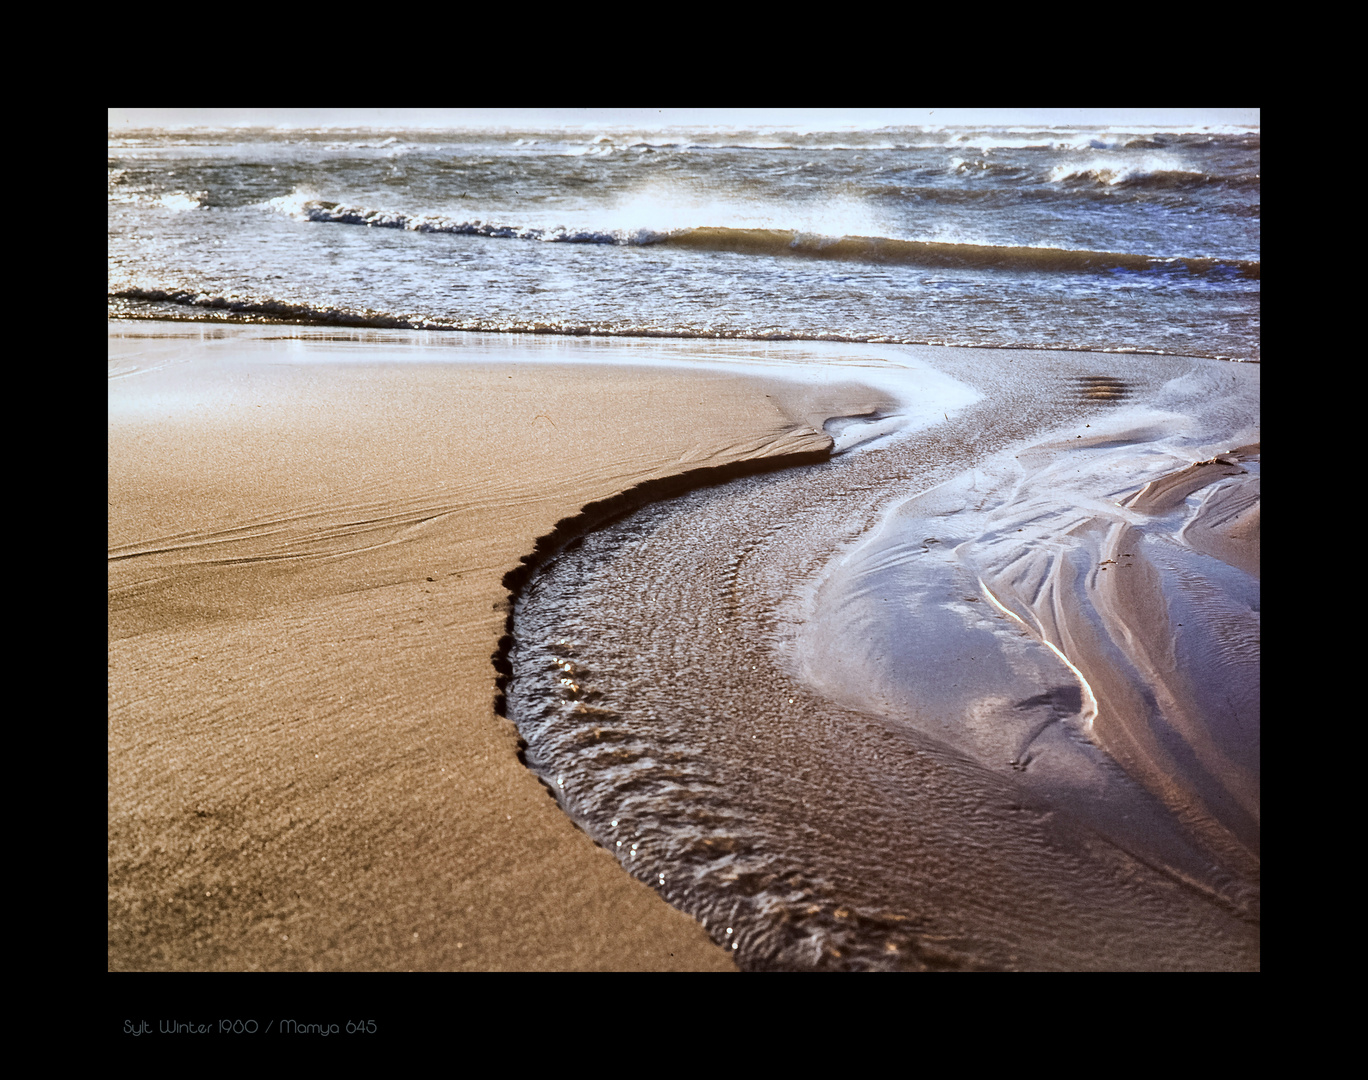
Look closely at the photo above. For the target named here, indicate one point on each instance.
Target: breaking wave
(775, 242)
(1149, 172)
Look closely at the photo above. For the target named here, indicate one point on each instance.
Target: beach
(308, 536)
(313, 538)
(684, 546)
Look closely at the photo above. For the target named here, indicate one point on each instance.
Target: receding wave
(1146, 174)
(188, 305)
(778, 242)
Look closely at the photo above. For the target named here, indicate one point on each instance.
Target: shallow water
(833, 713)
(982, 690)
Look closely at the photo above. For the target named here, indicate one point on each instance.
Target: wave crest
(305, 207)
(1132, 175)
(775, 242)
(950, 255)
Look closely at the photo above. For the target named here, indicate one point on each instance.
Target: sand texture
(308, 532)
(820, 655)
(966, 699)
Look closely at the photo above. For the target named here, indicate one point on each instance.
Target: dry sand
(308, 530)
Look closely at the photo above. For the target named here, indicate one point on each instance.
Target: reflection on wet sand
(826, 742)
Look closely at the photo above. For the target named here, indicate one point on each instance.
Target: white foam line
(1090, 712)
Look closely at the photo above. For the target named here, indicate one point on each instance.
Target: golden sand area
(308, 530)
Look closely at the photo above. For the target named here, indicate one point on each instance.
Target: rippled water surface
(1062, 238)
(794, 705)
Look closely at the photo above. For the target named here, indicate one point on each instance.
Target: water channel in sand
(979, 694)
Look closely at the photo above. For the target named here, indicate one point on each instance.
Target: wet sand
(308, 535)
(977, 697)
(946, 640)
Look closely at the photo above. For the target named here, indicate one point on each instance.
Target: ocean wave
(777, 242)
(188, 305)
(982, 166)
(1105, 173)
(303, 207)
(1139, 174)
(967, 141)
(929, 137)
(953, 255)
(183, 200)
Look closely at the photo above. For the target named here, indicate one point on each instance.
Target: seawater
(1052, 238)
(889, 711)
(949, 700)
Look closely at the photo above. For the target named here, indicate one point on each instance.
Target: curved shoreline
(604, 512)
(305, 765)
(640, 724)
(305, 768)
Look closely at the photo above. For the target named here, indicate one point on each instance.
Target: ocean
(979, 691)
(1105, 240)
